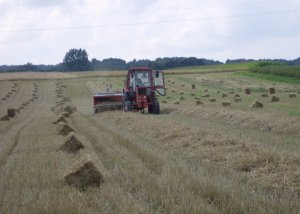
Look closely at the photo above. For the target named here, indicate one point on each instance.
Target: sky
(41, 32)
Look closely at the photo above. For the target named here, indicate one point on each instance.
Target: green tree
(76, 60)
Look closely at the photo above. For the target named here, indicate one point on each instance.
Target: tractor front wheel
(127, 106)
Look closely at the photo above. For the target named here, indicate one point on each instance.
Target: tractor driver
(138, 81)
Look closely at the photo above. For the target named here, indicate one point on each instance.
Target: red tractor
(141, 86)
(140, 89)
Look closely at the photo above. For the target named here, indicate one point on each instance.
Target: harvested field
(57, 157)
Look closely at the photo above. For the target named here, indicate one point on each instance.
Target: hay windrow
(65, 114)
(72, 144)
(272, 90)
(4, 118)
(60, 119)
(65, 99)
(257, 104)
(11, 112)
(226, 103)
(237, 99)
(83, 175)
(264, 95)
(64, 129)
(224, 95)
(274, 99)
(247, 91)
(198, 102)
(70, 109)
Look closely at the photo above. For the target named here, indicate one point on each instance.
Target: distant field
(211, 68)
(58, 75)
(276, 69)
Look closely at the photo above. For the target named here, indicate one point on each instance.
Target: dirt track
(183, 161)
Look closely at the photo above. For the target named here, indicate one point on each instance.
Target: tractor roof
(140, 69)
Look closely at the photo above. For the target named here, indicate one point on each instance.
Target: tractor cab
(140, 79)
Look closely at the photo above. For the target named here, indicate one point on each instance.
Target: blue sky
(42, 32)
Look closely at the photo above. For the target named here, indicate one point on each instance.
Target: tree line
(77, 60)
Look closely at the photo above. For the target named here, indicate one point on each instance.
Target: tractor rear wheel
(156, 107)
(150, 109)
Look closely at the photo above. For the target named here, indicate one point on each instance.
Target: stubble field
(192, 158)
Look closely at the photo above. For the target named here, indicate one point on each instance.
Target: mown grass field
(189, 159)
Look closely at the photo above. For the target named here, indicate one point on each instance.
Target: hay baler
(107, 101)
(140, 91)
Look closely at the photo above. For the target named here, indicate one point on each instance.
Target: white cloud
(211, 33)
